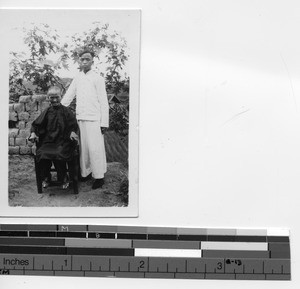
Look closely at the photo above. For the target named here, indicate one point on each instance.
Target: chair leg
(73, 171)
(38, 176)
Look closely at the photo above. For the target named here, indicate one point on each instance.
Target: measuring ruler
(144, 252)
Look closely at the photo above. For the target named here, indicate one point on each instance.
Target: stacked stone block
(23, 114)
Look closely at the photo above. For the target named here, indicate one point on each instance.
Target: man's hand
(103, 130)
(33, 137)
(74, 136)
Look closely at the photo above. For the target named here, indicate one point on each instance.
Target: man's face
(54, 98)
(86, 61)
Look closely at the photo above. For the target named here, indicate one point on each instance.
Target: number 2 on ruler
(142, 264)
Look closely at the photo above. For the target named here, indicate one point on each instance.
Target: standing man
(92, 113)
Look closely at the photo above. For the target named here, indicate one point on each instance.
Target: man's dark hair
(86, 50)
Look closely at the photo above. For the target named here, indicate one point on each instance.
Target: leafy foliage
(35, 73)
(119, 118)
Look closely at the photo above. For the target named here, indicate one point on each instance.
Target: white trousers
(92, 149)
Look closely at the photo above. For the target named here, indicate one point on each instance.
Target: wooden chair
(72, 170)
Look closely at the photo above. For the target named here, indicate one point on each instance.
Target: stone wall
(21, 115)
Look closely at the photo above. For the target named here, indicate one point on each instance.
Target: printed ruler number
(219, 265)
(142, 264)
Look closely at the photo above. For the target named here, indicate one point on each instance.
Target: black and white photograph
(73, 82)
(194, 105)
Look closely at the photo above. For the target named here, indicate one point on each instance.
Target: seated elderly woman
(55, 132)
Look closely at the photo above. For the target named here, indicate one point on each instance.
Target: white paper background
(219, 125)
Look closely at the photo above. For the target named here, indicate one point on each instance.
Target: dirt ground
(23, 190)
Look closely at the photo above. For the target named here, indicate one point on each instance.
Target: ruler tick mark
(261, 268)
